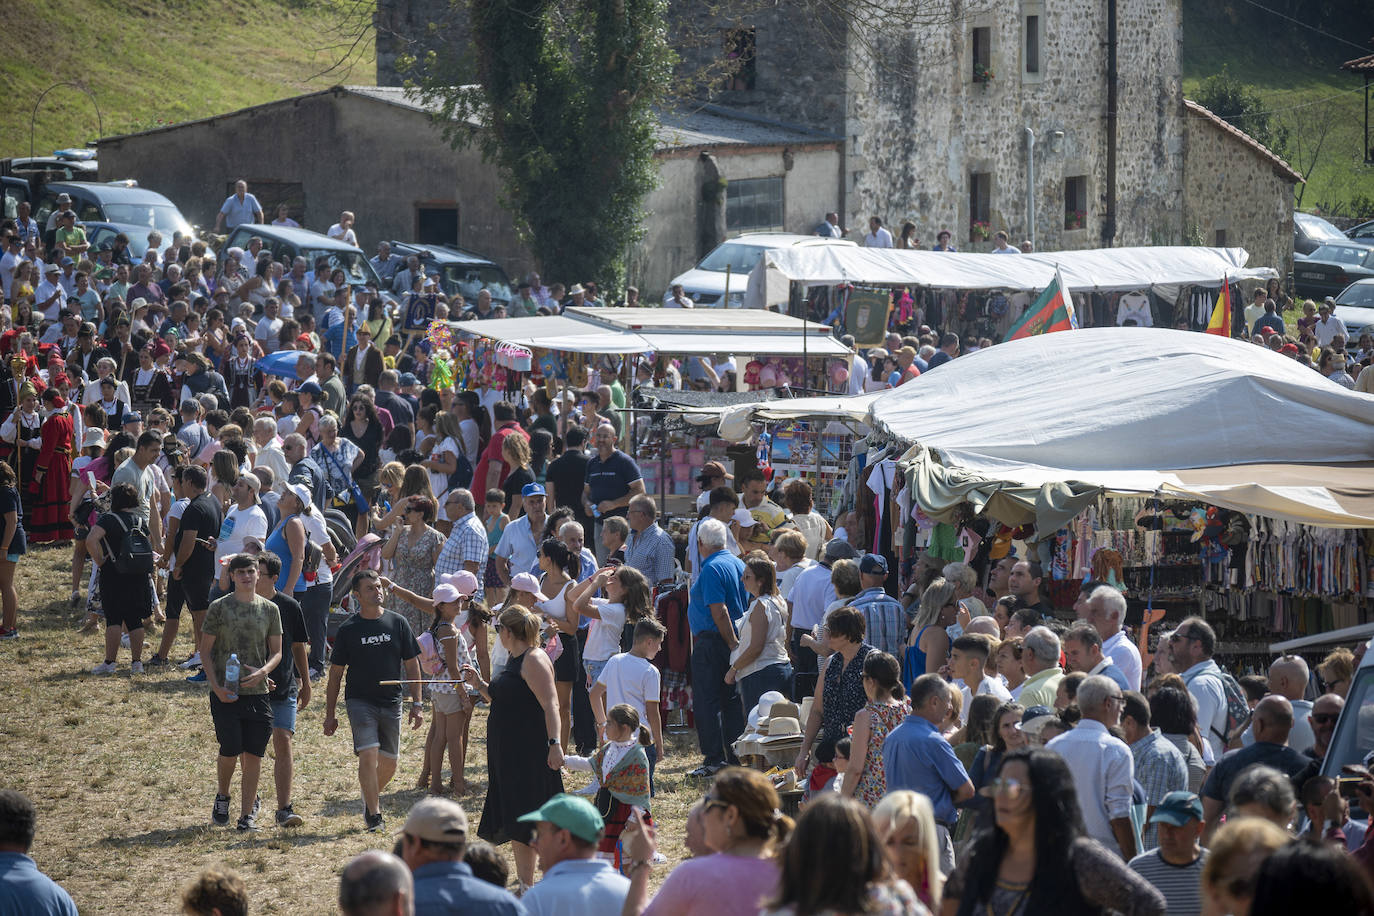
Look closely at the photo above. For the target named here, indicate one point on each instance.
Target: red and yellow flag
(1220, 322)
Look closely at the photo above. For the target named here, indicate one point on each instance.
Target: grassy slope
(1262, 49)
(121, 770)
(168, 60)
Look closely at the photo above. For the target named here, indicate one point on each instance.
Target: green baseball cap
(1177, 808)
(571, 813)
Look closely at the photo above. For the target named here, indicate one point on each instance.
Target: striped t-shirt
(1181, 885)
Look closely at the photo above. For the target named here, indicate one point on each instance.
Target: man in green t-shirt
(249, 626)
(71, 238)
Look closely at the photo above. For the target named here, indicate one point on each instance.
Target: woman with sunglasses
(744, 829)
(413, 548)
(1036, 858)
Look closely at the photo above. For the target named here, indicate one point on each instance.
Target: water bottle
(231, 676)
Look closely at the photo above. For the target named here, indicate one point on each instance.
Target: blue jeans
(774, 677)
(716, 705)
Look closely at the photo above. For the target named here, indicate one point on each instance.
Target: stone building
(373, 150)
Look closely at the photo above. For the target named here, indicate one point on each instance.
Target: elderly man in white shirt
(1102, 766)
(270, 453)
(1328, 326)
(1106, 612)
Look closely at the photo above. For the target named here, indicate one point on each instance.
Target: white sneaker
(136, 668)
(104, 668)
(192, 662)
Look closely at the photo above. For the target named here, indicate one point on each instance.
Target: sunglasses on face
(707, 803)
(1325, 718)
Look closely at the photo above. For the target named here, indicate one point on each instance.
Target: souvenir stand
(982, 295)
(1131, 456)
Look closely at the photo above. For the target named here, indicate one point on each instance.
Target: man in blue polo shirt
(23, 888)
(433, 842)
(917, 757)
(239, 208)
(715, 605)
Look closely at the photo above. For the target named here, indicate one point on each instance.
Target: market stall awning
(736, 421)
(1049, 421)
(686, 331)
(1102, 269)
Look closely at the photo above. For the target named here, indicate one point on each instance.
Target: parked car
(1332, 267)
(1355, 307)
(62, 165)
(460, 271)
(100, 234)
(287, 243)
(1310, 232)
(705, 283)
(1362, 231)
(121, 202)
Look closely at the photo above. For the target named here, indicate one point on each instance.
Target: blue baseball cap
(874, 564)
(533, 489)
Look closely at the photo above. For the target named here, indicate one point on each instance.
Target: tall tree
(563, 104)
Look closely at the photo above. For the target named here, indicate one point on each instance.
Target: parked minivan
(117, 202)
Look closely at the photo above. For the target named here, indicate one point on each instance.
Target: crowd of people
(958, 741)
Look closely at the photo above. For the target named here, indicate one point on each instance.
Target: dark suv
(460, 271)
(287, 243)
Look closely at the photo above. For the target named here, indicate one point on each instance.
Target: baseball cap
(445, 592)
(526, 582)
(571, 813)
(1035, 712)
(836, 549)
(1178, 808)
(67, 262)
(299, 491)
(407, 379)
(133, 416)
(437, 820)
(744, 518)
(533, 489)
(311, 388)
(873, 564)
(464, 581)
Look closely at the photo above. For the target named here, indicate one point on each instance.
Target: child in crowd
(621, 770)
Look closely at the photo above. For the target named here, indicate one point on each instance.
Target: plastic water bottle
(231, 676)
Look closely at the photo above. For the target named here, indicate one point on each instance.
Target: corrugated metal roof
(1281, 167)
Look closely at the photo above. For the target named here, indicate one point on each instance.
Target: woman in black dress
(524, 753)
(364, 429)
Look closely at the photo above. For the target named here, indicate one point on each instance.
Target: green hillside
(1296, 71)
(146, 61)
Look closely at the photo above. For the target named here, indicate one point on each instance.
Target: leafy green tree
(1240, 105)
(560, 95)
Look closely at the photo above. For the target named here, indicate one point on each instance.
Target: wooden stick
(418, 681)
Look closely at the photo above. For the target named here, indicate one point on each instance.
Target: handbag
(354, 495)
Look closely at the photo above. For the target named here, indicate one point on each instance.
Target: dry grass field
(121, 770)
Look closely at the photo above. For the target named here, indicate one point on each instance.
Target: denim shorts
(375, 725)
(284, 712)
(594, 669)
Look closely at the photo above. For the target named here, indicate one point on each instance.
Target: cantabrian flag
(1220, 322)
(1053, 311)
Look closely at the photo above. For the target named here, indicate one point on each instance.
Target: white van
(730, 263)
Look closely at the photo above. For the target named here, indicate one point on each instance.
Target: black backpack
(135, 554)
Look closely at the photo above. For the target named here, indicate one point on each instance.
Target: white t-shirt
(789, 576)
(603, 638)
(989, 685)
(337, 231)
(472, 437)
(178, 507)
(239, 524)
(438, 482)
(316, 530)
(631, 680)
(268, 332)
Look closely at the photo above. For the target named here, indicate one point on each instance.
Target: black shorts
(191, 591)
(243, 726)
(126, 600)
(568, 666)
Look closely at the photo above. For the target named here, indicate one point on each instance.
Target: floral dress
(882, 718)
(413, 569)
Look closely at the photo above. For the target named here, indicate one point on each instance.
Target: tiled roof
(1360, 64)
(1281, 168)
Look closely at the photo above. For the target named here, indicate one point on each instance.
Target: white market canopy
(1036, 429)
(1100, 269)
(659, 330)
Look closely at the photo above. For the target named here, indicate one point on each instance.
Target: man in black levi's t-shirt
(373, 645)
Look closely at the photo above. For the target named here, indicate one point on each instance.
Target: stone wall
(1231, 187)
(919, 124)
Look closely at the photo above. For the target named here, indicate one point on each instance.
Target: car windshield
(1314, 227)
(138, 244)
(468, 281)
(354, 264)
(165, 218)
(739, 258)
(1358, 294)
(1357, 255)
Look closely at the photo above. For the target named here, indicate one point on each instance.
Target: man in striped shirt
(884, 615)
(1160, 768)
(650, 548)
(1175, 868)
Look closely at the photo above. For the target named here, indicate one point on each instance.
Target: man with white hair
(715, 605)
(269, 452)
(1040, 661)
(1102, 766)
(1288, 679)
(462, 550)
(1106, 612)
(238, 208)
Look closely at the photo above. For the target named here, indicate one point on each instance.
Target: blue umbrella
(282, 363)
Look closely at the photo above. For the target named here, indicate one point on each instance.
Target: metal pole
(33, 119)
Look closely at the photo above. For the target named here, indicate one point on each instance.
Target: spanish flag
(1053, 311)
(1220, 322)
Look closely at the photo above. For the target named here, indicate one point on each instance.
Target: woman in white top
(760, 662)
(443, 459)
(626, 602)
(559, 567)
(797, 494)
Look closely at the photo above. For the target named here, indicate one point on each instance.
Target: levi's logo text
(377, 640)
